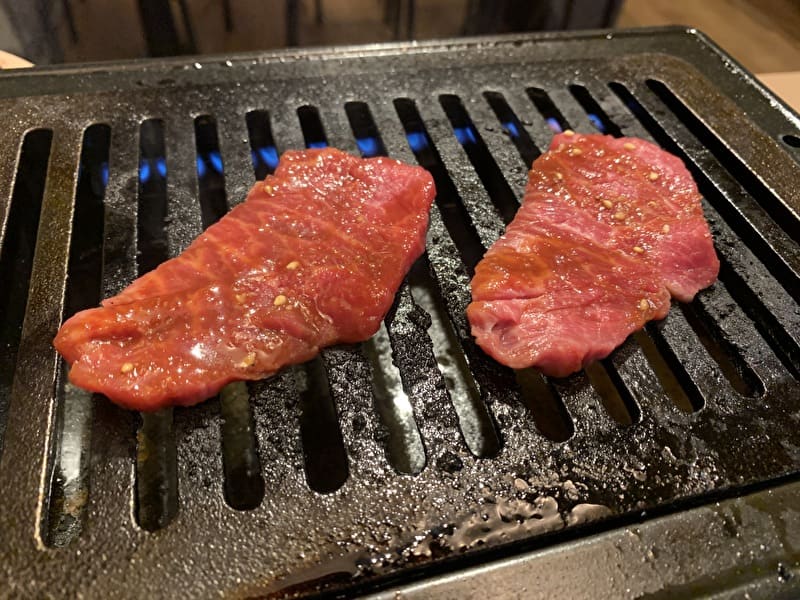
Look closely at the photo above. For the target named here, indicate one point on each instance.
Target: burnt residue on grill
(412, 453)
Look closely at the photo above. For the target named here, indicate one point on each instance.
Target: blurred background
(763, 34)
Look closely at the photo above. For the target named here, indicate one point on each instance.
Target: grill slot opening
(544, 104)
(323, 446)
(454, 213)
(404, 447)
(734, 368)
(156, 457)
(263, 152)
(776, 264)
(368, 138)
(791, 140)
(151, 241)
(612, 391)
(473, 415)
(68, 486)
(779, 340)
(513, 127)
(16, 260)
(594, 111)
(686, 400)
(485, 166)
(686, 396)
(210, 171)
(244, 485)
(241, 465)
(311, 124)
(474, 418)
(771, 204)
(549, 413)
(475, 421)
(156, 471)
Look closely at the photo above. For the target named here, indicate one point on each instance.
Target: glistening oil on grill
(412, 453)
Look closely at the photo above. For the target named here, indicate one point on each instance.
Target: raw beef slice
(608, 230)
(313, 257)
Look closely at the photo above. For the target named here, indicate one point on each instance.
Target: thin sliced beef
(608, 230)
(313, 257)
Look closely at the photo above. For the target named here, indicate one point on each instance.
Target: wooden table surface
(786, 85)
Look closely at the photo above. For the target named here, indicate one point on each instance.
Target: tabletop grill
(412, 454)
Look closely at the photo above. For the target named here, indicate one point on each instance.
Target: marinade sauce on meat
(313, 257)
(608, 231)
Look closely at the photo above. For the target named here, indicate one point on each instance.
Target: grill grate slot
(152, 247)
(612, 391)
(244, 485)
(544, 104)
(549, 413)
(672, 377)
(454, 214)
(210, 171)
(156, 471)
(688, 395)
(311, 124)
(404, 446)
(264, 155)
(734, 368)
(156, 465)
(16, 260)
(68, 487)
(594, 111)
(513, 127)
(780, 340)
(368, 138)
(485, 166)
(325, 459)
(323, 445)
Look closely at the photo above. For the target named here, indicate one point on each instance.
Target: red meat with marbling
(313, 257)
(608, 231)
